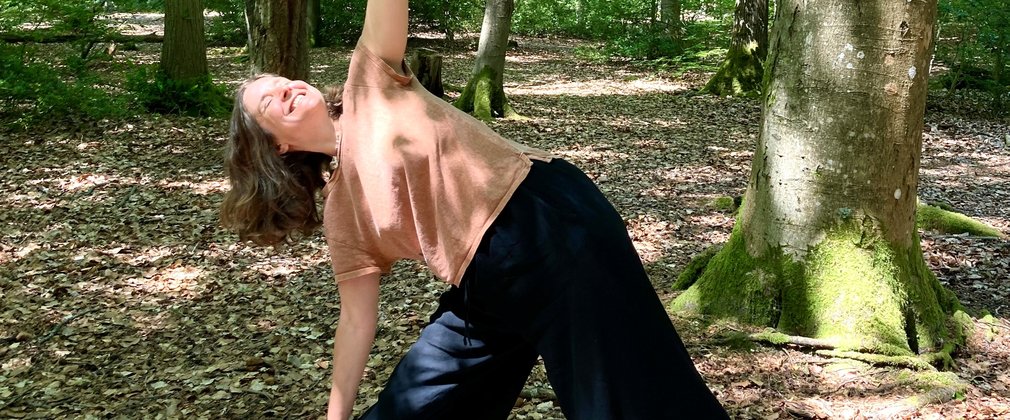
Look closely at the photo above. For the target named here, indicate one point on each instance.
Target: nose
(283, 91)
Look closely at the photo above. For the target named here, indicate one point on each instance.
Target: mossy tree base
(852, 291)
(740, 74)
(484, 98)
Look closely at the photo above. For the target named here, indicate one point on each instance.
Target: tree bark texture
(742, 71)
(184, 52)
(484, 94)
(825, 245)
(669, 15)
(279, 37)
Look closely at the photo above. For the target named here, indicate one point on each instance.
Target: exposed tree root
(927, 361)
(921, 362)
(778, 339)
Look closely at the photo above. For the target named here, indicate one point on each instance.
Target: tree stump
(426, 64)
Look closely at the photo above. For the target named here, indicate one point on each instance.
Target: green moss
(740, 74)
(485, 100)
(929, 217)
(852, 290)
(736, 286)
(695, 268)
(726, 203)
(850, 295)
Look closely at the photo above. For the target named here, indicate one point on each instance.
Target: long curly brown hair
(272, 199)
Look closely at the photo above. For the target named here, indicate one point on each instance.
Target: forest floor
(122, 297)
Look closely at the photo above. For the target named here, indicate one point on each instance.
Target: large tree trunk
(279, 37)
(741, 73)
(184, 52)
(484, 95)
(825, 245)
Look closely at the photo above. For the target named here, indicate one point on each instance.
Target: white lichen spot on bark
(911, 72)
(860, 55)
(848, 66)
(897, 194)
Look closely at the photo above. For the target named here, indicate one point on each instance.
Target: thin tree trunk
(184, 53)
(825, 245)
(742, 71)
(315, 16)
(278, 37)
(669, 15)
(484, 95)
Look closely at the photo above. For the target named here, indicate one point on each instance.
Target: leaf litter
(122, 296)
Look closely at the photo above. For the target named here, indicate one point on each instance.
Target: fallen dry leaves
(123, 297)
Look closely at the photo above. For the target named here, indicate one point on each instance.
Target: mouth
(295, 102)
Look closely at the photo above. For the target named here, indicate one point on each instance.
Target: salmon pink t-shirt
(416, 177)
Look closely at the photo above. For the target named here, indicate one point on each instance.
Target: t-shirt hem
(457, 276)
(356, 273)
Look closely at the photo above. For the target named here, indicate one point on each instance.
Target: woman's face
(294, 112)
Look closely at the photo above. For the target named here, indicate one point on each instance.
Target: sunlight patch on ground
(175, 280)
(145, 257)
(211, 186)
(600, 87)
(529, 58)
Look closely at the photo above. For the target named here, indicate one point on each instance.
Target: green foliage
(157, 93)
(974, 43)
(341, 21)
(229, 27)
(447, 16)
(31, 92)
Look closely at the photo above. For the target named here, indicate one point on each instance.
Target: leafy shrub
(32, 92)
(157, 93)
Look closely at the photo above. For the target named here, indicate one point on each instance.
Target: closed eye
(265, 103)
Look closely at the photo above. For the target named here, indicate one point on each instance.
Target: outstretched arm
(385, 30)
(359, 307)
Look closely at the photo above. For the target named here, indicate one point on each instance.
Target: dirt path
(121, 295)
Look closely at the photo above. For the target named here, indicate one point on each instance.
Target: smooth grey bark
(842, 121)
(825, 245)
(184, 51)
(494, 38)
(278, 37)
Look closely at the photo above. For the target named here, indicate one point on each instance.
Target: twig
(56, 328)
(994, 324)
(970, 237)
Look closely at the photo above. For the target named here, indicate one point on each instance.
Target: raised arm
(359, 306)
(385, 30)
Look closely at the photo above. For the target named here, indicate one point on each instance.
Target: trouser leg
(443, 377)
(575, 286)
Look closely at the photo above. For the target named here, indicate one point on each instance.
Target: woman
(540, 262)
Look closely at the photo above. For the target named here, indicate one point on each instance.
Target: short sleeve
(369, 70)
(349, 262)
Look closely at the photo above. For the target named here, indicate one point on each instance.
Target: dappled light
(122, 294)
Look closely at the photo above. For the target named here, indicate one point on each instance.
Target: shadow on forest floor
(122, 295)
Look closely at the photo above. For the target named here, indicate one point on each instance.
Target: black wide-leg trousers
(556, 275)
